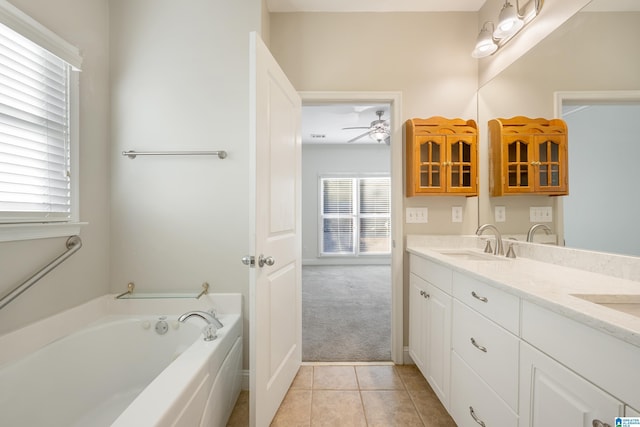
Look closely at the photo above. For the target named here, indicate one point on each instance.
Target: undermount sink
(629, 304)
(469, 255)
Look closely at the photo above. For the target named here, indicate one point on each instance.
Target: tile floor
(355, 395)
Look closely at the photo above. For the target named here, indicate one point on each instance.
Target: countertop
(546, 284)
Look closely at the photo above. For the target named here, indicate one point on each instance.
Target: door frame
(394, 99)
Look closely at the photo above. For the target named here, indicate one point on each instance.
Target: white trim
(397, 239)
(593, 97)
(16, 232)
(28, 27)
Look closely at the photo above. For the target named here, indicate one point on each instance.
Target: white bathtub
(118, 370)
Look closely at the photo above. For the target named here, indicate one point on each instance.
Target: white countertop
(546, 284)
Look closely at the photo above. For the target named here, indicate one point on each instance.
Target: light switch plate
(456, 213)
(500, 214)
(417, 215)
(541, 214)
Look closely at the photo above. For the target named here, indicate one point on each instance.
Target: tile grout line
(413, 402)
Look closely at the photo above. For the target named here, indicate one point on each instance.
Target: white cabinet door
(430, 334)
(418, 322)
(551, 395)
(438, 351)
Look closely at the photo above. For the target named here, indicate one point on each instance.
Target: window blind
(356, 215)
(34, 132)
(337, 216)
(375, 215)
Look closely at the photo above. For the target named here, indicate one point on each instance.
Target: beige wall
(426, 56)
(179, 81)
(85, 275)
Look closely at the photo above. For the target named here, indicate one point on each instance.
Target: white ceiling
(374, 5)
(418, 5)
(324, 123)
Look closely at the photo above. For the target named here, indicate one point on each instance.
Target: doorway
(352, 288)
(602, 172)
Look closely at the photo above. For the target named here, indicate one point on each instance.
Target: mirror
(595, 50)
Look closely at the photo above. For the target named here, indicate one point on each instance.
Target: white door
(275, 335)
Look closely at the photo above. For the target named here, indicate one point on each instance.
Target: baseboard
(245, 379)
(355, 261)
(406, 357)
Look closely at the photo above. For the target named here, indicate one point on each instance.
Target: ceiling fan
(378, 130)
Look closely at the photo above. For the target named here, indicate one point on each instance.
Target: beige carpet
(346, 313)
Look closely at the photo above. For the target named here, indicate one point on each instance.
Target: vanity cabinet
(528, 156)
(441, 157)
(552, 395)
(484, 386)
(497, 359)
(430, 324)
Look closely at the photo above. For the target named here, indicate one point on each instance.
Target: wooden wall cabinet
(441, 157)
(528, 156)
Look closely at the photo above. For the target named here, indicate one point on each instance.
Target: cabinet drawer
(469, 392)
(489, 350)
(499, 306)
(432, 272)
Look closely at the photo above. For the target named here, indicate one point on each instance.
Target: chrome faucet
(533, 230)
(209, 331)
(210, 318)
(498, 250)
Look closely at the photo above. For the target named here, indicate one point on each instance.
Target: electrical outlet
(500, 214)
(456, 213)
(417, 215)
(541, 214)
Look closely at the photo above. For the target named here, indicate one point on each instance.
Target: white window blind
(34, 132)
(355, 215)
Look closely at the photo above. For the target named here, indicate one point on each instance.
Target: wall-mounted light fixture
(511, 20)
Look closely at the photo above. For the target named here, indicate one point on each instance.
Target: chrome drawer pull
(475, 417)
(476, 345)
(483, 299)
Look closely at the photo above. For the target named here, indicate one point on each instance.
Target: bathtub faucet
(213, 323)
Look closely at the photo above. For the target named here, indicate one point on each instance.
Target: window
(38, 112)
(355, 216)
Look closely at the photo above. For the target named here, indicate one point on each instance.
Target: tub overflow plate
(162, 326)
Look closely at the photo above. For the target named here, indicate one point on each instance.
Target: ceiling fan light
(485, 45)
(509, 23)
(378, 135)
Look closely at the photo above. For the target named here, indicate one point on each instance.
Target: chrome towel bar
(133, 154)
(73, 244)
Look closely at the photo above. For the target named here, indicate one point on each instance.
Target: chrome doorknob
(262, 261)
(249, 260)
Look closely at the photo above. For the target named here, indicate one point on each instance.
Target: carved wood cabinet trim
(528, 156)
(441, 157)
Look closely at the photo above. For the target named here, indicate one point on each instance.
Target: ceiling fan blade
(358, 127)
(358, 137)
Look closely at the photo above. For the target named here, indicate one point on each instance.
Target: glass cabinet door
(461, 165)
(518, 163)
(549, 165)
(431, 152)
